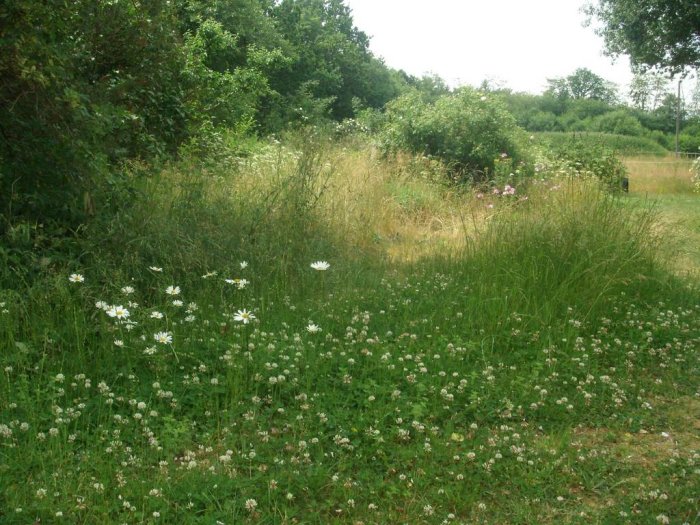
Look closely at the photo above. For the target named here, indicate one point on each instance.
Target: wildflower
(239, 283)
(163, 337)
(101, 305)
(156, 315)
(243, 316)
(250, 505)
(313, 328)
(76, 278)
(155, 268)
(118, 311)
(508, 190)
(320, 265)
(172, 290)
(119, 343)
(244, 265)
(127, 290)
(177, 302)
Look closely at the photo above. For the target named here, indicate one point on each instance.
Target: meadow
(315, 333)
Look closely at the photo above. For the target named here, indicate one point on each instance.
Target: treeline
(585, 102)
(88, 84)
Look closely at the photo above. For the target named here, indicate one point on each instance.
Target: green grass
(621, 144)
(524, 374)
(668, 184)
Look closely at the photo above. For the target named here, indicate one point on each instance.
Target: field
(667, 182)
(316, 334)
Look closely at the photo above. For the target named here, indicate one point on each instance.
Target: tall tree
(661, 33)
(583, 84)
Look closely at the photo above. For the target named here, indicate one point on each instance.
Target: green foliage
(618, 122)
(329, 61)
(663, 33)
(88, 86)
(583, 84)
(589, 155)
(620, 144)
(468, 130)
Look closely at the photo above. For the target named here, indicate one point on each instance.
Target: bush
(468, 130)
(618, 122)
(590, 158)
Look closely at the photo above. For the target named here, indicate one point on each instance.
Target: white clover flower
(243, 316)
(76, 278)
(172, 290)
(313, 328)
(320, 265)
(156, 315)
(101, 305)
(251, 505)
(177, 302)
(155, 268)
(128, 290)
(244, 265)
(119, 343)
(163, 337)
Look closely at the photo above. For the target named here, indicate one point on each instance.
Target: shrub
(468, 130)
(619, 122)
(590, 158)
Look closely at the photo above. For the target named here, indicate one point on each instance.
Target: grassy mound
(621, 144)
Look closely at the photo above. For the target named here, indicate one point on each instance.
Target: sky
(517, 44)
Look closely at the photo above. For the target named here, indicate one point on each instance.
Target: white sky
(518, 43)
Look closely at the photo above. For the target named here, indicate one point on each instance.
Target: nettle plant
(468, 130)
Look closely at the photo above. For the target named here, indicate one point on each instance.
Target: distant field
(667, 182)
(622, 144)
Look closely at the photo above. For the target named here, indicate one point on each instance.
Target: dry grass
(397, 205)
(667, 182)
(659, 176)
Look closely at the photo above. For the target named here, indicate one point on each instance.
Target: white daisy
(243, 316)
(163, 337)
(320, 265)
(118, 311)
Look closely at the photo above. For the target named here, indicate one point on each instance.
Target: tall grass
(447, 365)
(662, 176)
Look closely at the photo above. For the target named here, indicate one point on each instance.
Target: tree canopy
(654, 33)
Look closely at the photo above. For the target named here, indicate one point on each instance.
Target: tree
(583, 84)
(648, 89)
(654, 33)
